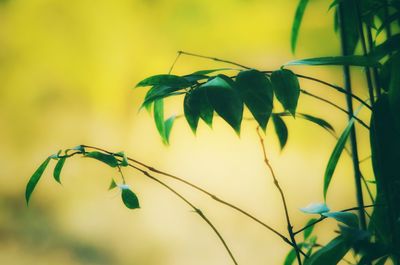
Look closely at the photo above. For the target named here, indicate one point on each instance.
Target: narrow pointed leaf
(280, 129)
(35, 179)
(308, 231)
(164, 80)
(330, 254)
(256, 91)
(334, 158)
(58, 168)
(168, 126)
(315, 208)
(105, 158)
(351, 60)
(318, 121)
(347, 218)
(160, 92)
(287, 89)
(206, 72)
(191, 110)
(158, 112)
(129, 198)
(301, 7)
(226, 101)
(112, 185)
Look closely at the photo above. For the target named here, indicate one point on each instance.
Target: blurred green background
(67, 69)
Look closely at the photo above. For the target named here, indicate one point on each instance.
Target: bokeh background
(67, 72)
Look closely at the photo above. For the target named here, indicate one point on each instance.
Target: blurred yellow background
(67, 69)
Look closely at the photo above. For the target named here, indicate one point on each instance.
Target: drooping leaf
(158, 113)
(318, 121)
(334, 158)
(352, 60)
(330, 254)
(287, 89)
(160, 92)
(280, 129)
(191, 111)
(301, 7)
(347, 218)
(256, 91)
(315, 208)
(350, 25)
(129, 198)
(308, 231)
(209, 71)
(58, 168)
(197, 104)
(225, 100)
(164, 80)
(105, 158)
(112, 185)
(35, 179)
(168, 126)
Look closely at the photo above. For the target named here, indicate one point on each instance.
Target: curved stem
(285, 207)
(214, 59)
(173, 64)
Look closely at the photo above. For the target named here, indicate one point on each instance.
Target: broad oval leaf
(315, 208)
(225, 100)
(105, 158)
(351, 60)
(257, 93)
(164, 80)
(301, 7)
(330, 254)
(129, 198)
(287, 89)
(35, 179)
(280, 129)
(58, 168)
(347, 218)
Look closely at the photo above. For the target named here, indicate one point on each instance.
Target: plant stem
(353, 139)
(285, 207)
(173, 64)
(213, 58)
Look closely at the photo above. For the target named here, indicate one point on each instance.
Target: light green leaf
(58, 168)
(308, 231)
(321, 122)
(352, 60)
(347, 218)
(124, 162)
(129, 198)
(290, 257)
(225, 100)
(256, 91)
(112, 185)
(315, 208)
(330, 254)
(301, 7)
(164, 80)
(105, 158)
(168, 126)
(35, 179)
(287, 89)
(158, 112)
(280, 129)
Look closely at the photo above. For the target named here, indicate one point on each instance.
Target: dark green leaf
(206, 72)
(129, 198)
(347, 218)
(280, 129)
(315, 208)
(105, 158)
(350, 25)
(112, 185)
(287, 89)
(58, 168)
(198, 104)
(389, 46)
(290, 258)
(160, 92)
(394, 89)
(164, 80)
(257, 93)
(225, 101)
(194, 78)
(35, 179)
(301, 7)
(354, 60)
(330, 254)
(334, 158)
(392, 18)
(308, 231)
(321, 122)
(192, 111)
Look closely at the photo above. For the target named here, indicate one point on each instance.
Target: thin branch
(364, 159)
(285, 239)
(371, 197)
(285, 207)
(324, 217)
(173, 64)
(214, 59)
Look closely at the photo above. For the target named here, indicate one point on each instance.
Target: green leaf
(124, 162)
(280, 129)
(168, 126)
(164, 80)
(318, 121)
(352, 60)
(308, 231)
(194, 78)
(287, 89)
(35, 179)
(334, 158)
(158, 112)
(301, 7)
(330, 254)
(315, 208)
(350, 22)
(389, 46)
(225, 100)
(392, 18)
(347, 218)
(206, 72)
(58, 168)
(129, 198)
(105, 158)
(160, 92)
(112, 185)
(290, 258)
(256, 91)
(196, 103)
(192, 111)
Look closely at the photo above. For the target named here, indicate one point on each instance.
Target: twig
(173, 64)
(285, 207)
